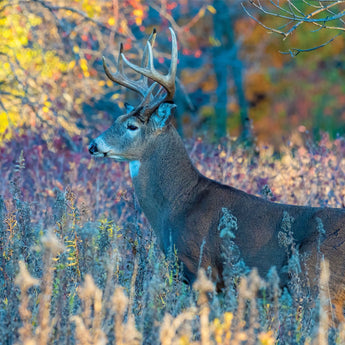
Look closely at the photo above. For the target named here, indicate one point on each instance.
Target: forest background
(230, 68)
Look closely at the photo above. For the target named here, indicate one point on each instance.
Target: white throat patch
(134, 168)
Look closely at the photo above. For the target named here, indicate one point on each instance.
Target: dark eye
(132, 127)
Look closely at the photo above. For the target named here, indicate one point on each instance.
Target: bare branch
(295, 51)
(262, 24)
(74, 10)
(327, 15)
(53, 8)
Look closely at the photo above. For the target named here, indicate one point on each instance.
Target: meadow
(80, 264)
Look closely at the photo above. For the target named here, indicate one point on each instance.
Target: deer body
(184, 207)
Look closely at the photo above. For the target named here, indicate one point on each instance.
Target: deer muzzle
(93, 148)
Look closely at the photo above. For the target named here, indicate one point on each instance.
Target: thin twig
(295, 51)
(262, 24)
(295, 16)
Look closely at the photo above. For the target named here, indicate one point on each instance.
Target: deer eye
(132, 127)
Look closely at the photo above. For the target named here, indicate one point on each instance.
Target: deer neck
(163, 177)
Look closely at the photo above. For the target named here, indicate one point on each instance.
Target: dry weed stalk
(254, 283)
(24, 280)
(132, 335)
(267, 338)
(89, 324)
(133, 280)
(125, 333)
(171, 325)
(222, 331)
(341, 336)
(325, 307)
(119, 306)
(247, 292)
(51, 248)
(203, 286)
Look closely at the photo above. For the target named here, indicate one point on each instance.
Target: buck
(184, 207)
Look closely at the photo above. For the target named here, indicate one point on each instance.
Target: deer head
(131, 134)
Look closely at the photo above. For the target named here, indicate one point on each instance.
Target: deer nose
(93, 148)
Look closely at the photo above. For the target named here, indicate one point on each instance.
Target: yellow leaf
(202, 12)
(222, 154)
(138, 12)
(76, 49)
(215, 42)
(71, 64)
(211, 9)
(34, 20)
(83, 65)
(23, 40)
(111, 21)
(115, 96)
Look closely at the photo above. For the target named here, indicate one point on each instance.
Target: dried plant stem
(322, 336)
(25, 281)
(241, 305)
(133, 280)
(203, 285)
(171, 325)
(98, 334)
(51, 247)
(342, 333)
(89, 325)
(119, 306)
(255, 283)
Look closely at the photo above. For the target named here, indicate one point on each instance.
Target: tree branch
(331, 12)
(295, 51)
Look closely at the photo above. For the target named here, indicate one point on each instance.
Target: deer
(184, 207)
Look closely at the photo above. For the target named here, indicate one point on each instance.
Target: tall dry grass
(80, 265)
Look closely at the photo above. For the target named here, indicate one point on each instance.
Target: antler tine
(167, 81)
(174, 57)
(151, 40)
(145, 58)
(120, 77)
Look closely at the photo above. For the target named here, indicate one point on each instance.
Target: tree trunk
(226, 55)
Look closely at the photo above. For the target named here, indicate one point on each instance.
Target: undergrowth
(80, 264)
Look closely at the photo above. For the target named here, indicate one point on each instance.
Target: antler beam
(167, 81)
(140, 86)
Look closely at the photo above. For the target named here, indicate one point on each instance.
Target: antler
(120, 77)
(167, 81)
(147, 70)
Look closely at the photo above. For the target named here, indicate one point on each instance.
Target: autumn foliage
(52, 78)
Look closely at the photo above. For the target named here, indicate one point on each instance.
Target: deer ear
(161, 117)
(128, 107)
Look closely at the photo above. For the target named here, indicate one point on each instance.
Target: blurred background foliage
(233, 77)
